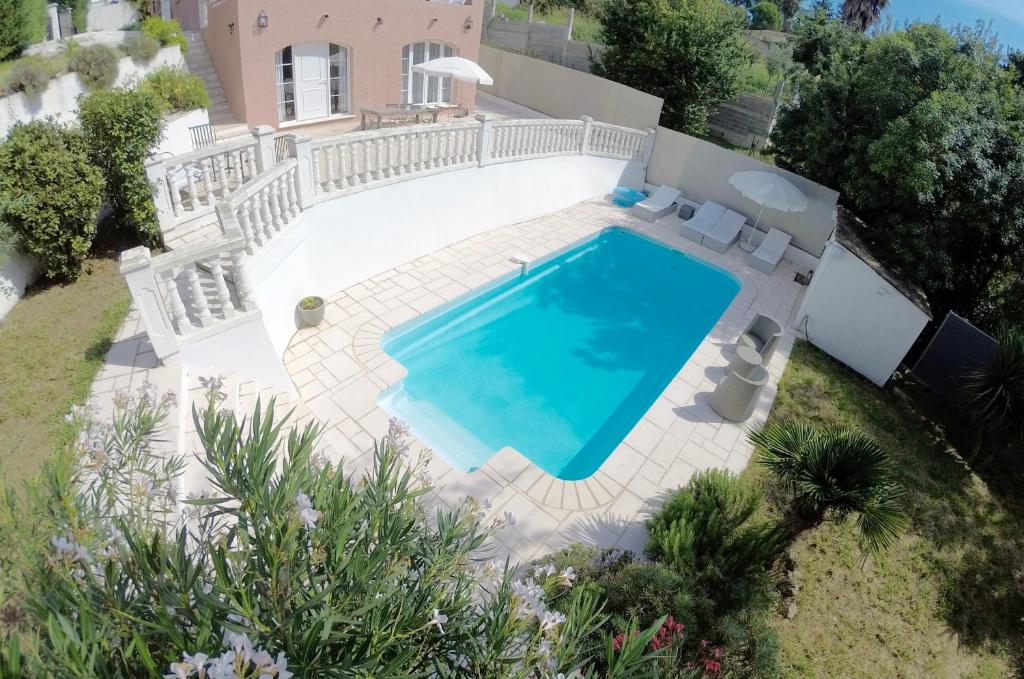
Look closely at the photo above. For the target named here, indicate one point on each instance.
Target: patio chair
(762, 335)
(662, 202)
(725, 232)
(736, 396)
(769, 253)
(707, 216)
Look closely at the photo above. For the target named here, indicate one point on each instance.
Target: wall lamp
(468, 24)
(231, 28)
(262, 21)
(380, 21)
(432, 22)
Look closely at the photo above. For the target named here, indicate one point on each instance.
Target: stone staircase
(198, 61)
(238, 396)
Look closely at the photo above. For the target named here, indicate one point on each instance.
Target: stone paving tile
(339, 371)
(679, 434)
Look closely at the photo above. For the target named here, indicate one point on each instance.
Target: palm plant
(862, 14)
(995, 393)
(833, 473)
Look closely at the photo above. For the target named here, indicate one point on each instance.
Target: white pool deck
(339, 370)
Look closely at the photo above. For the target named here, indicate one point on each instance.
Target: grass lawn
(51, 346)
(584, 28)
(948, 600)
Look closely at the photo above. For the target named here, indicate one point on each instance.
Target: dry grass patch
(947, 600)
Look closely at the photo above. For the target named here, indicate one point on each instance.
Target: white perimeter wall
(17, 271)
(857, 317)
(177, 137)
(346, 240)
(111, 17)
(60, 99)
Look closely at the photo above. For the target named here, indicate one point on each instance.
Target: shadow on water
(638, 320)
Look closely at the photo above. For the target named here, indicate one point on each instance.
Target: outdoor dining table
(406, 112)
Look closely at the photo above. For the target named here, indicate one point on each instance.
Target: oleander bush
(287, 565)
(96, 65)
(177, 89)
(29, 75)
(50, 194)
(165, 31)
(123, 126)
(141, 47)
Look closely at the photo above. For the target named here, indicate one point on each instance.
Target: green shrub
(123, 126)
(96, 65)
(52, 194)
(142, 48)
(177, 89)
(335, 574)
(166, 32)
(994, 394)
(765, 16)
(706, 531)
(18, 26)
(29, 75)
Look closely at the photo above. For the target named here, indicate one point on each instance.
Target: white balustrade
(615, 141)
(265, 207)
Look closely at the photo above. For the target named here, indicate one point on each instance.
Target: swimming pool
(561, 363)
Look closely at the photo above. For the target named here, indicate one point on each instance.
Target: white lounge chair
(725, 232)
(769, 253)
(656, 206)
(697, 226)
(763, 334)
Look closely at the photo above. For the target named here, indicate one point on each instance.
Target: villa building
(283, 67)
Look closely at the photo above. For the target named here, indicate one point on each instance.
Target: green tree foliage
(862, 14)
(789, 8)
(834, 473)
(921, 130)
(287, 565)
(123, 126)
(765, 16)
(685, 51)
(51, 195)
(706, 532)
(821, 40)
(16, 31)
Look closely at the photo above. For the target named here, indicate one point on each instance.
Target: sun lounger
(696, 227)
(662, 202)
(725, 232)
(769, 253)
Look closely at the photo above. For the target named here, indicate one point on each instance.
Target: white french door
(311, 80)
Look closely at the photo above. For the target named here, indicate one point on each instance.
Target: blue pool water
(559, 364)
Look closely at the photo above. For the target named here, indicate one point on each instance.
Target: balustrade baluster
(243, 221)
(207, 168)
(252, 207)
(199, 305)
(227, 309)
(236, 164)
(353, 163)
(330, 184)
(190, 181)
(265, 217)
(172, 190)
(293, 196)
(366, 174)
(222, 178)
(275, 205)
(242, 283)
(178, 313)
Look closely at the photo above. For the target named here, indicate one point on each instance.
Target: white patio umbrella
(456, 67)
(768, 189)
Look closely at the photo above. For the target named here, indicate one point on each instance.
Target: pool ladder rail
(524, 262)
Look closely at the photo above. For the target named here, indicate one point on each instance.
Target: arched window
(421, 89)
(320, 72)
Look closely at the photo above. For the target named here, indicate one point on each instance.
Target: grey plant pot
(311, 317)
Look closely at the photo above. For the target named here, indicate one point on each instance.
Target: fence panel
(957, 348)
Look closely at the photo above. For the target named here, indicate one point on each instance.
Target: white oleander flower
(307, 515)
(567, 576)
(439, 620)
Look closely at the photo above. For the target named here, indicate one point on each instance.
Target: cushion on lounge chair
(707, 216)
(657, 205)
(726, 232)
(769, 253)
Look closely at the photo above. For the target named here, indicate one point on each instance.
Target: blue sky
(1007, 16)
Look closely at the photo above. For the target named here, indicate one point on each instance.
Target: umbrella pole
(747, 247)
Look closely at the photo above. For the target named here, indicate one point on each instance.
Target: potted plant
(311, 310)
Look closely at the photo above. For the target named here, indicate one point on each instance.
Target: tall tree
(862, 14)
(687, 52)
(921, 130)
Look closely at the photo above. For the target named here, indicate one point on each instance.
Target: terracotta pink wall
(375, 52)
